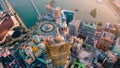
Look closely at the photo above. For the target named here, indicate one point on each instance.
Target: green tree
(99, 24)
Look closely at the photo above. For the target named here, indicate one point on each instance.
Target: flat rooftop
(5, 26)
(108, 30)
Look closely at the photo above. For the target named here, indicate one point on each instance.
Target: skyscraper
(59, 50)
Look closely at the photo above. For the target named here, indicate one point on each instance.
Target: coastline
(107, 5)
(30, 17)
(113, 9)
(16, 15)
(113, 6)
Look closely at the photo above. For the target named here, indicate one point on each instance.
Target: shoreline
(113, 8)
(104, 3)
(16, 15)
(109, 5)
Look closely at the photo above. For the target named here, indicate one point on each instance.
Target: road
(38, 13)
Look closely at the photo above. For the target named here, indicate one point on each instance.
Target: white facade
(63, 28)
(74, 26)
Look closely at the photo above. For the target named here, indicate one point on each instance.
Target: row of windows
(63, 29)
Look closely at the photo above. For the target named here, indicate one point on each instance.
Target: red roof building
(5, 26)
(104, 43)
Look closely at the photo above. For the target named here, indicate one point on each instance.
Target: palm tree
(99, 24)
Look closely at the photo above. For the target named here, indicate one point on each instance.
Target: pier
(38, 13)
(3, 4)
(16, 15)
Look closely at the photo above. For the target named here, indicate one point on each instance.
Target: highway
(39, 15)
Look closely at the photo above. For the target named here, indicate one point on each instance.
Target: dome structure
(47, 27)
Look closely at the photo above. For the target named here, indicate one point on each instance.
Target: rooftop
(6, 25)
(108, 30)
(89, 24)
(116, 49)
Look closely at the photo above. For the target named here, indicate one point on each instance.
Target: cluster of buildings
(103, 40)
(76, 44)
(92, 46)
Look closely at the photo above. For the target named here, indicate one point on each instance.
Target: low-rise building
(112, 58)
(116, 48)
(89, 41)
(110, 29)
(36, 39)
(77, 44)
(104, 43)
(86, 57)
(87, 29)
(29, 58)
(106, 36)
